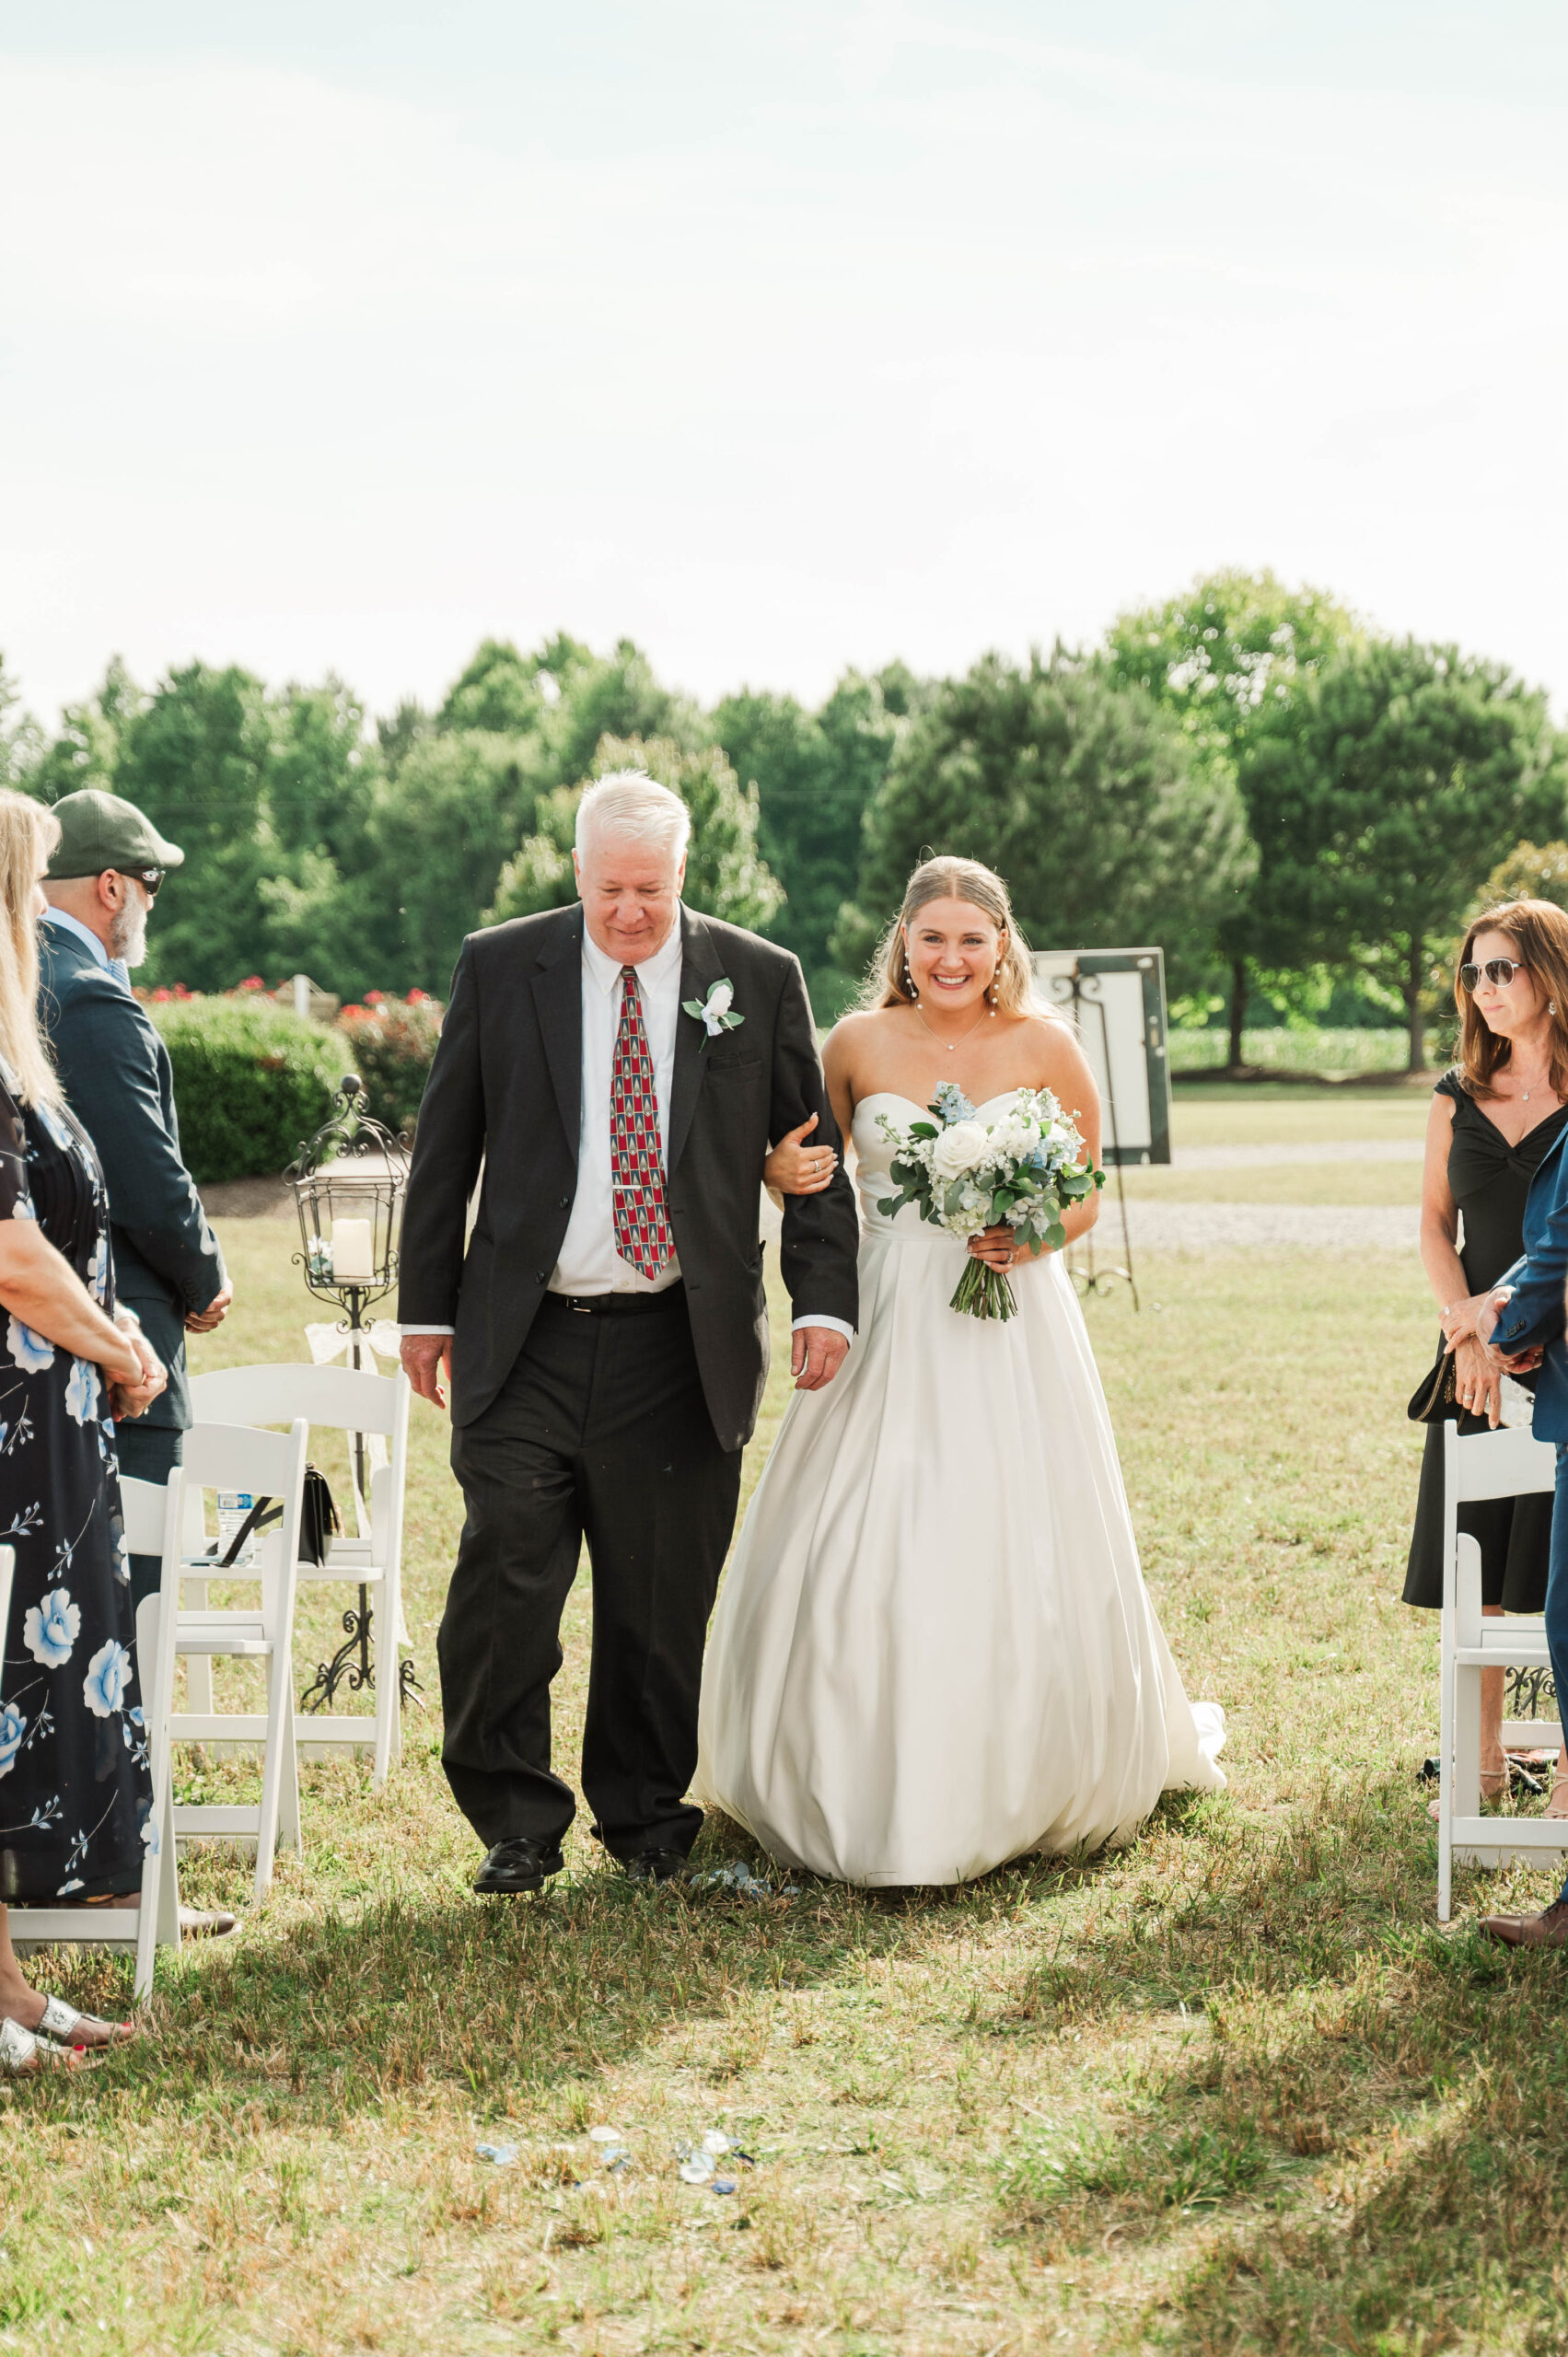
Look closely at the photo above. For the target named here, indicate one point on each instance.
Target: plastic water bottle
(233, 1507)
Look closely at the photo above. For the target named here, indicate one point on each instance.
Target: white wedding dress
(934, 1651)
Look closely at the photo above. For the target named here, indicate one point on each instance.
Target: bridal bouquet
(1020, 1171)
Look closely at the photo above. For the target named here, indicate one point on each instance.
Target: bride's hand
(999, 1247)
(796, 1168)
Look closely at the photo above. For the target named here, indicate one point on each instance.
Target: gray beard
(128, 933)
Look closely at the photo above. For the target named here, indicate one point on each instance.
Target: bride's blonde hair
(955, 879)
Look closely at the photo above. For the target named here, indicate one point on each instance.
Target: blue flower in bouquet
(951, 1105)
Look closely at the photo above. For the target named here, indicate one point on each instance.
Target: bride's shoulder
(851, 1032)
(1056, 1042)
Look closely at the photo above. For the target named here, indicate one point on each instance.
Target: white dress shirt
(589, 1262)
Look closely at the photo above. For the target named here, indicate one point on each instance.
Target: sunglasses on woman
(1499, 972)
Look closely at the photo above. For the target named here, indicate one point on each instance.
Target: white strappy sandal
(60, 2021)
(23, 2053)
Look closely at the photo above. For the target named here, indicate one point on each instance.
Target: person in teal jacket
(100, 885)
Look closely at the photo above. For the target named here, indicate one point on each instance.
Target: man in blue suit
(100, 885)
(1522, 1320)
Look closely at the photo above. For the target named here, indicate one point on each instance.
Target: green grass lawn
(1348, 1182)
(1230, 2090)
(1263, 1116)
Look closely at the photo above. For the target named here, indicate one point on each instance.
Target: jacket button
(565, 1203)
(541, 1276)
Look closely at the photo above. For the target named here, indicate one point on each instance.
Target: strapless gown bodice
(933, 1650)
(874, 1175)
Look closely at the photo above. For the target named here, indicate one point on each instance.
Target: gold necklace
(952, 1046)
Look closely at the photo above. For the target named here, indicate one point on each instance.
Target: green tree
(327, 910)
(613, 695)
(196, 759)
(1393, 785)
(1079, 791)
(1224, 657)
(1531, 872)
(725, 873)
(815, 773)
(500, 690)
(450, 816)
(21, 739)
(86, 750)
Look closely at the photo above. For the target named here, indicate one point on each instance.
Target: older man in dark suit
(620, 1070)
(100, 885)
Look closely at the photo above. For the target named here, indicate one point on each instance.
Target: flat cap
(99, 830)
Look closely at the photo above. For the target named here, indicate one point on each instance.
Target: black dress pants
(600, 1432)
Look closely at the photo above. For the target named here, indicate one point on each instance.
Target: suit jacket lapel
(558, 996)
(700, 967)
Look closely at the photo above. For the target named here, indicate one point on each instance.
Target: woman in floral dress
(76, 1797)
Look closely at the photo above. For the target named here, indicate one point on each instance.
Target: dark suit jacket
(506, 1089)
(119, 1084)
(1536, 1313)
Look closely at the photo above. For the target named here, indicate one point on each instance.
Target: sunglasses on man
(149, 878)
(1499, 972)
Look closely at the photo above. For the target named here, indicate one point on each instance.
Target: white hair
(631, 804)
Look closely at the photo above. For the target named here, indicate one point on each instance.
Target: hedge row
(252, 1081)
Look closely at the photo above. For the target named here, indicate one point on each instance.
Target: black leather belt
(616, 1304)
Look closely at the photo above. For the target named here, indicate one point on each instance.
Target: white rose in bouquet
(961, 1148)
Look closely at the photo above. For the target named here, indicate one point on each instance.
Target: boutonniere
(715, 1012)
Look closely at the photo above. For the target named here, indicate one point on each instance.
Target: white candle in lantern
(351, 1264)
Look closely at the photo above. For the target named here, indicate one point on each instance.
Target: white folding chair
(351, 1400)
(1503, 1464)
(152, 1527)
(226, 1456)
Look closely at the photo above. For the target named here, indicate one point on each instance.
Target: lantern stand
(349, 1183)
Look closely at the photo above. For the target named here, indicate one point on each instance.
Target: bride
(934, 1650)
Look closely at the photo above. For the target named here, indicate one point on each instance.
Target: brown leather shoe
(1547, 1930)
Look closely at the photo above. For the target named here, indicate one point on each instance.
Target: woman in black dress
(76, 1797)
(1494, 1117)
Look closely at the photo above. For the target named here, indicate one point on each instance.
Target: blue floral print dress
(75, 1796)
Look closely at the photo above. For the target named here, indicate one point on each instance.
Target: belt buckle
(583, 1309)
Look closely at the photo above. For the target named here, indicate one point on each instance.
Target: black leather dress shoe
(656, 1866)
(517, 1865)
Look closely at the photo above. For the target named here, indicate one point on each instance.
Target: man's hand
(816, 1353)
(427, 1358)
(207, 1322)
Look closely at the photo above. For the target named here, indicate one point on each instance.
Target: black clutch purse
(318, 1521)
(1433, 1401)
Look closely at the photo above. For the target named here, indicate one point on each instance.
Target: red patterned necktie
(636, 1161)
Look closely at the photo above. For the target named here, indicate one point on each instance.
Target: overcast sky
(780, 337)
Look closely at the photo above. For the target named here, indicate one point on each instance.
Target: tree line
(1299, 809)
